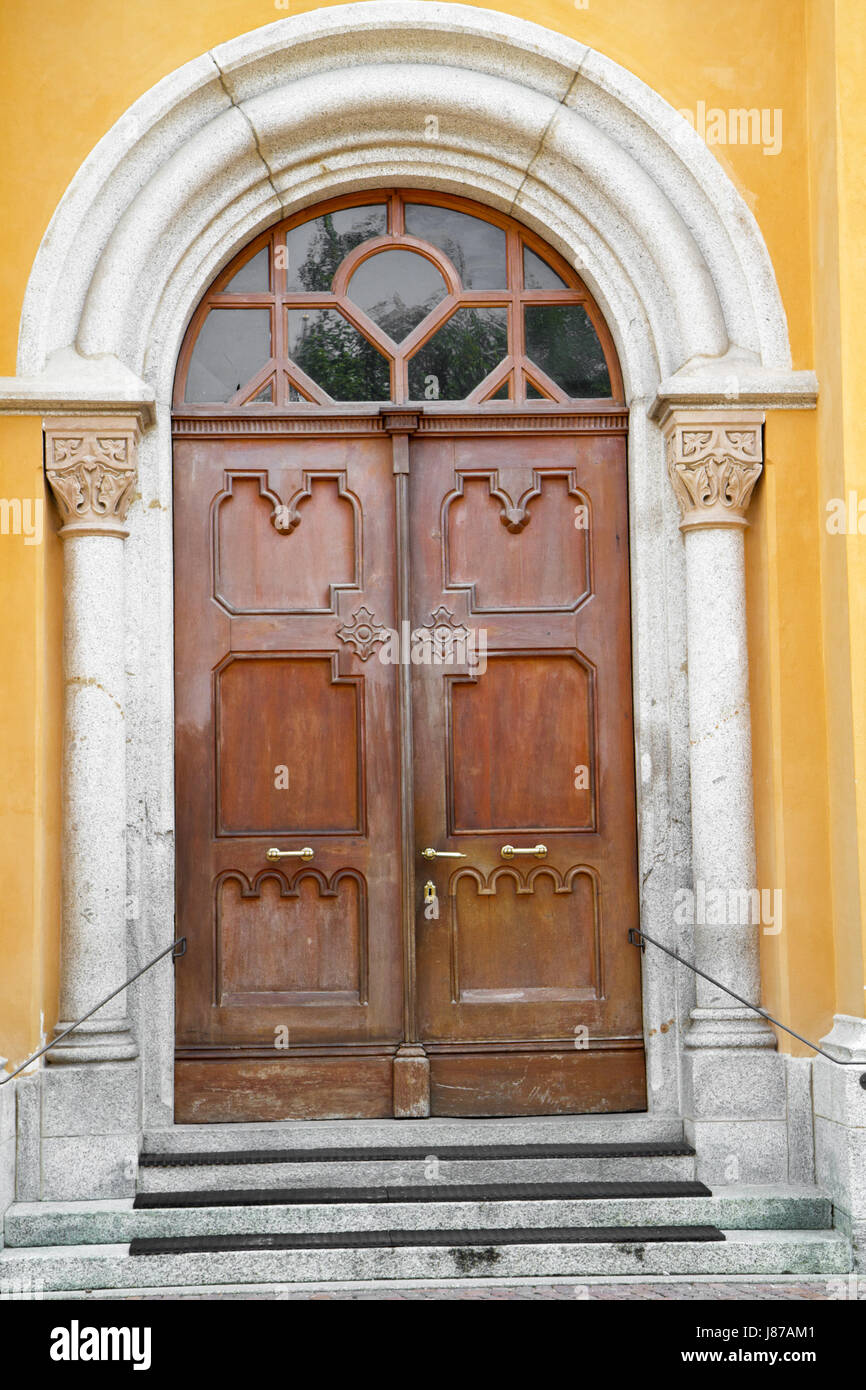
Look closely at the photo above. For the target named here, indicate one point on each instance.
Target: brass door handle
(509, 851)
(305, 853)
(430, 853)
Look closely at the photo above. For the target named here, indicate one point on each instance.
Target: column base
(735, 1101)
(95, 1040)
(79, 1133)
(726, 1028)
(840, 1127)
(7, 1146)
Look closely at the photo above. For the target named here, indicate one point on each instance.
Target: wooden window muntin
(515, 368)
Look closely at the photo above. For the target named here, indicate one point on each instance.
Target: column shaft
(714, 460)
(734, 1084)
(723, 831)
(90, 464)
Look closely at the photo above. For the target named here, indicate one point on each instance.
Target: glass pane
(533, 393)
(538, 275)
(336, 356)
(252, 278)
(315, 249)
(265, 396)
(562, 341)
(292, 392)
(501, 394)
(476, 247)
(397, 289)
(232, 346)
(459, 355)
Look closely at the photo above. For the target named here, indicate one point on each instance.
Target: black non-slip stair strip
(444, 1152)
(388, 1240)
(428, 1193)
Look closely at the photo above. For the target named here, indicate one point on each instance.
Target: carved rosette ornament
(447, 635)
(363, 632)
(714, 462)
(90, 463)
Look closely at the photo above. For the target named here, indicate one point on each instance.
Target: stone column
(90, 464)
(735, 1101)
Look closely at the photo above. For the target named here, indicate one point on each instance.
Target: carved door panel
(528, 992)
(289, 999)
(317, 986)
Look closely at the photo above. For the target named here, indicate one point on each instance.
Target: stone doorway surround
(584, 153)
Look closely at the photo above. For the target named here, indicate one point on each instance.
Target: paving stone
(675, 1292)
(646, 1290)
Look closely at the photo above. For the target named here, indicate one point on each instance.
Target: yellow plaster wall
(789, 727)
(30, 737)
(849, 402)
(70, 68)
(837, 127)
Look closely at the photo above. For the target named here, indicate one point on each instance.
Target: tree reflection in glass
(336, 356)
(316, 248)
(460, 355)
(561, 340)
(455, 267)
(397, 289)
(475, 248)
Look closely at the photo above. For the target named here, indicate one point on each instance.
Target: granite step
(88, 1267)
(469, 1153)
(428, 1192)
(415, 1165)
(297, 1134)
(471, 1238)
(253, 1211)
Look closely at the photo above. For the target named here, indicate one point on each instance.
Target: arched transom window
(395, 297)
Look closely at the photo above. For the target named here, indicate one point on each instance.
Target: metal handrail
(637, 937)
(177, 948)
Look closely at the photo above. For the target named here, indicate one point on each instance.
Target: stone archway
(582, 152)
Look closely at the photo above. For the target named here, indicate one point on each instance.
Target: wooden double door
(402, 633)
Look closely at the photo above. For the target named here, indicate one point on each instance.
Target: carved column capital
(90, 463)
(714, 461)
